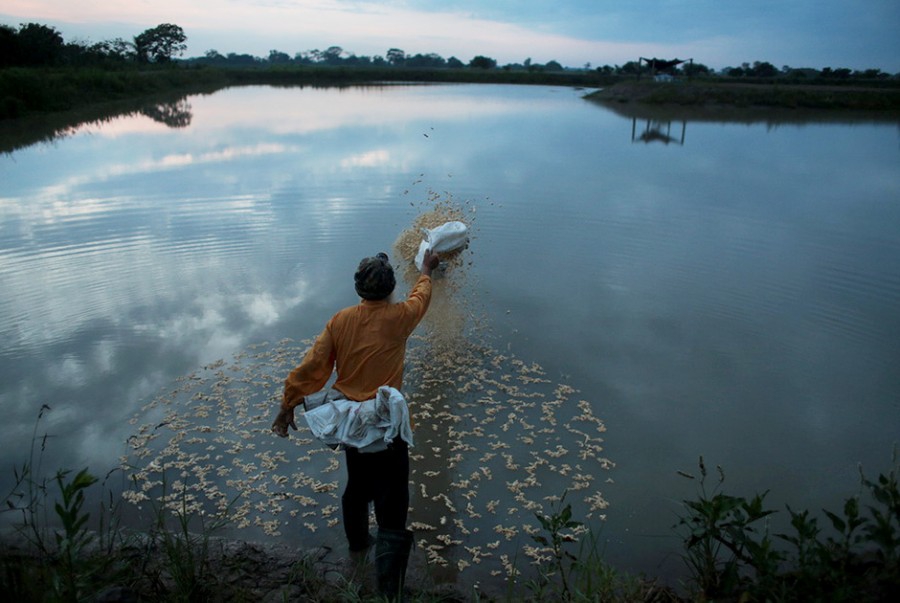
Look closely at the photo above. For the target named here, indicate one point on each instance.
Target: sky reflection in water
(736, 296)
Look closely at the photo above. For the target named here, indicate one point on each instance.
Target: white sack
(369, 425)
(449, 236)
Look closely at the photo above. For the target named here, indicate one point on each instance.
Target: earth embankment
(740, 95)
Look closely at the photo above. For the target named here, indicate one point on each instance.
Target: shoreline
(724, 97)
(236, 569)
(40, 105)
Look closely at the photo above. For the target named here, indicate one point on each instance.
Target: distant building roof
(662, 64)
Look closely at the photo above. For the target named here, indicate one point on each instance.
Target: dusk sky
(858, 34)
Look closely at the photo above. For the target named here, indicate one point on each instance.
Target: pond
(638, 291)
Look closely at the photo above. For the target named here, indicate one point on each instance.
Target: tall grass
(26, 91)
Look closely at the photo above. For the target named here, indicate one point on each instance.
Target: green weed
(730, 555)
(725, 551)
(582, 575)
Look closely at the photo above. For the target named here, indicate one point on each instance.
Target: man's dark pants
(381, 478)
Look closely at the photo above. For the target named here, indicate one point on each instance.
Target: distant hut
(661, 69)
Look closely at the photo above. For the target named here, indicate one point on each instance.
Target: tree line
(36, 45)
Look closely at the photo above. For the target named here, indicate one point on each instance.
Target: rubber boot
(392, 549)
(356, 523)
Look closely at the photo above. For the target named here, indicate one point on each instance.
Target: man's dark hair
(374, 279)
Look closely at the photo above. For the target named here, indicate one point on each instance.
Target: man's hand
(284, 420)
(429, 262)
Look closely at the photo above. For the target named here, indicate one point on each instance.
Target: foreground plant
(558, 526)
(724, 550)
(73, 539)
(67, 560)
(583, 575)
(729, 556)
(181, 533)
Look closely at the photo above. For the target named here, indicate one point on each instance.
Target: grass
(30, 91)
(42, 104)
(775, 94)
(728, 550)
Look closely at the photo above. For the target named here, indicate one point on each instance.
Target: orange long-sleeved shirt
(366, 342)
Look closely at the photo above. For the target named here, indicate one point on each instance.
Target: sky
(858, 34)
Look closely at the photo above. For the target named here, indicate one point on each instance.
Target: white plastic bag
(449, 236)
(369, 425)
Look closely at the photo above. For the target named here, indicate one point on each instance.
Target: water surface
(730, 290)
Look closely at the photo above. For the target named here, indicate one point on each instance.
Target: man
(367, 345)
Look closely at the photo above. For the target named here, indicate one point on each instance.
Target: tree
(481, 62)
(431, 60)
(245, 60)
(332, 55)
(395, 57)
(354, 60)
(692, 69)
(872, 74)
(160, 44)
(116, 49)
(631, 67)
(276, 57)
(454, 63)
(9, 46)
(214, 56)
(842, 73)
(764, 69)
(553, 66)
(39, 44)
(119, 48)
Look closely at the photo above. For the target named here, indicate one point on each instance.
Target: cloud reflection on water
(739, 287)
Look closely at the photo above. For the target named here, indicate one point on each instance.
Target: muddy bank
(141, 569)
(695, 99)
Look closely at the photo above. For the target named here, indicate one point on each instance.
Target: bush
(728, 554)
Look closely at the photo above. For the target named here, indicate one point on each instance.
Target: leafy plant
(63, 563)
(74, 537)
(854, 557)
(883, 529)
(557, 525)
(724, 550)
(861, 555)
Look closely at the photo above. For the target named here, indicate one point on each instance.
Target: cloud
(372, 158)
(362, 28)
(573, 32)
(263, 309)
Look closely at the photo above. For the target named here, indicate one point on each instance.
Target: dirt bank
(776, 95)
